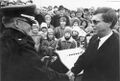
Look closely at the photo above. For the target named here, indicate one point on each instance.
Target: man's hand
(54, 58)
(45, 57)
(70, 75)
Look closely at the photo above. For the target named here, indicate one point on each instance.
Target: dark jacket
(20, 61)
(66, 44)
(102, 64)
(47, 45)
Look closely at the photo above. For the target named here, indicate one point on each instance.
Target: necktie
(97, 43)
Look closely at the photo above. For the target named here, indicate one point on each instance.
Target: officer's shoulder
(10, 35)
(19, 40)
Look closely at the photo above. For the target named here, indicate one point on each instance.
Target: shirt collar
(107, 36)
(103, 39)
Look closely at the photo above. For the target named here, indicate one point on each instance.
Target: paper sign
(70, 56)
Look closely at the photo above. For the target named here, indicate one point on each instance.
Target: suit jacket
(20, 61)
(101, 64)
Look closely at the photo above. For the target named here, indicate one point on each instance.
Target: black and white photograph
(59, 40)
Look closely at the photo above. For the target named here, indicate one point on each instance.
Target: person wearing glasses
(19, 59)
(100, 61)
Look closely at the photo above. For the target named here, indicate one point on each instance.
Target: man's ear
(16, 22)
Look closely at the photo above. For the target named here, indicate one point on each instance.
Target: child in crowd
(44, 29)
(79, 35)
(83, 42)
(34, 33)
(59, 31)
(72, 14)
(79, 14)
(75, 22)
(48, 45)
(66, 42)
(48, 21)
(75, 35)
(84, 24)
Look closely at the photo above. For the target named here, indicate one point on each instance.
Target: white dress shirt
(103, 39)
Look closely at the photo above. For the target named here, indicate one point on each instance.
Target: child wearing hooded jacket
(79, 36)
(44, 29)
(48, 44)
(66, 42)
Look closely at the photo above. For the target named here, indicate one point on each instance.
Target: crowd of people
(31, 48)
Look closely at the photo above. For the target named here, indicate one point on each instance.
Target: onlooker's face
(74, 33)
(86, 15)
(79, 14)
(44, 29)
(72, 15)
(62, 23)
(48, 20)
(67, 35)
(35, 29)
(62, 12)
(57, 12)
(99, 26)
(84, 24)
(75, 24)
(35, 26)
(50, 35)
(82, 38)
(50, 7)
(67, 13)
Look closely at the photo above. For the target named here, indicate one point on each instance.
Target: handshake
(70, 75)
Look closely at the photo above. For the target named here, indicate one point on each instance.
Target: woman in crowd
(59, 31)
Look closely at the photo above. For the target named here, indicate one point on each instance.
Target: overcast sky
(74, 4)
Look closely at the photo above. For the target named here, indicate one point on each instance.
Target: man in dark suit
(100, 61)
(19, 59)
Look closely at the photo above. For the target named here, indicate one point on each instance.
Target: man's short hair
(108, 15)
